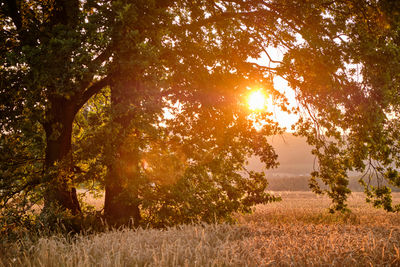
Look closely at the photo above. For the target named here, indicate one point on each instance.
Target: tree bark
(58, 128)
(121, 199)
(122, 203)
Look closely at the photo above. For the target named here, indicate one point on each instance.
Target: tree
(56, 55)
(53, 58)
(193, 57)
(194, 54)
(348, 86)
(182, 64)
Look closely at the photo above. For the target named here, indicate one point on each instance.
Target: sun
(257, 101)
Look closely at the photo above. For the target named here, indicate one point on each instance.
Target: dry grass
(295, 232)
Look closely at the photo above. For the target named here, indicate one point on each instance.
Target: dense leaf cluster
(347, 85)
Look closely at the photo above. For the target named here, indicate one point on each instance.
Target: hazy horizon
(294, 156)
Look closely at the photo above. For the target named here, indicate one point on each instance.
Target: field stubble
(295, 232)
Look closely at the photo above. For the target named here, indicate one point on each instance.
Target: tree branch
(106, 54)
(90, 91)
(15, 13)
(263, 67)
(224, 16)
(94, 65)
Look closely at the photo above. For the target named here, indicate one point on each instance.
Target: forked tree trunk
(58, 128)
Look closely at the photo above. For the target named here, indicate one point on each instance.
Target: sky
(283, 118)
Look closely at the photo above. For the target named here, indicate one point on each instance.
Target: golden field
(295, 232)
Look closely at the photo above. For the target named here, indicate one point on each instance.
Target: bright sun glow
(257, 100)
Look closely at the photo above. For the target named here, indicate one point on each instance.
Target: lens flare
(257, 101)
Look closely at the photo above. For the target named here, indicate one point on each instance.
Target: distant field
(295, 232)
(300, 183)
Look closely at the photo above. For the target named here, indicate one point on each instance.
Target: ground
(297, 231)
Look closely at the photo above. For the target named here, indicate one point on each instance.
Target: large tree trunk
(58, 128)
(122, 204)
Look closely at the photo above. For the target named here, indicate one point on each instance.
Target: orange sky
(284, 119)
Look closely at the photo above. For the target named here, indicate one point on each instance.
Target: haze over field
(294, 156)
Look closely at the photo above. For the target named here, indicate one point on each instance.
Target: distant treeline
(300, 183)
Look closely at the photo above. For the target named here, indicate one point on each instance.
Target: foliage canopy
(145, 100)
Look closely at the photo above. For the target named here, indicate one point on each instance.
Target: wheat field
(295, 232)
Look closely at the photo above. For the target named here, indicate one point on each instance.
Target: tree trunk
(122, 203)
(121, 200)
(58, 128)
